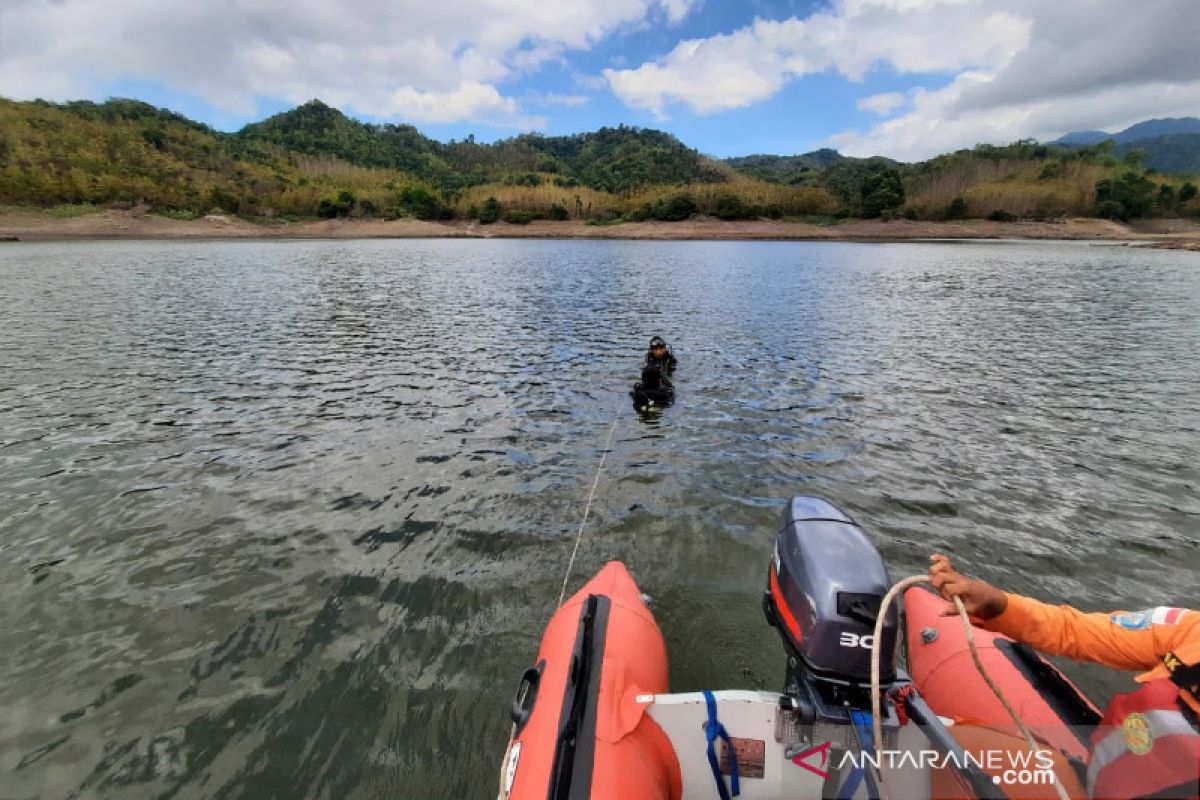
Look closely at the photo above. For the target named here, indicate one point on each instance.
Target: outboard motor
(825, 584)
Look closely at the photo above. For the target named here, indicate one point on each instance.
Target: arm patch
(1166, 616)
(1132, 620)
(1141, 620)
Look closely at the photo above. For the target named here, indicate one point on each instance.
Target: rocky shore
(116, 224)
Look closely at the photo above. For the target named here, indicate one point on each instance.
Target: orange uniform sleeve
(1124, 640)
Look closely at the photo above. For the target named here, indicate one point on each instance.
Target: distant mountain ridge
(1149, 129)
(1154, 128)
(1083, 138)
(1168, 145)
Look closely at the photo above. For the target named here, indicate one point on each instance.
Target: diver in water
(654, 389)
(659, 355)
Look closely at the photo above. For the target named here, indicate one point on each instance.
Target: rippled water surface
(286, 519)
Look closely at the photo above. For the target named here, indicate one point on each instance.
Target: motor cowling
(825, 584)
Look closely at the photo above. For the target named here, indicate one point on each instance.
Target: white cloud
(936, 124)
(678, 9)
(1007, 69)
(554, 99)
(469, 100)
(882, 104)
(1105, 68)
(1112, 43)
(437, 58)
(753, 63)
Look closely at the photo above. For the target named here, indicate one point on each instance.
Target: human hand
(981, 599)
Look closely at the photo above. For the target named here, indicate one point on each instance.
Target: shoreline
(116, 224)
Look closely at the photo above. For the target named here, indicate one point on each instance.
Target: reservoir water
(286, 519)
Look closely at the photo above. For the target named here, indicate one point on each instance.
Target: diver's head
(658, 346)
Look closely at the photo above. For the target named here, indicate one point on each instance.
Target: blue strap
(712, 730)
(862, 725)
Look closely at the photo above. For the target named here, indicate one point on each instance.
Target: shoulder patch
(1166, 616)
(1138, 737)
(1132, 620)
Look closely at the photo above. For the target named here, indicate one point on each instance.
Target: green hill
(316, 129)
(1176, 153)
(122, 151)
(619, 159)
(791, 170)
(314, 160)
(610, 159)
(1168, 145)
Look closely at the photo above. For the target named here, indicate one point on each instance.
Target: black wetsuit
(654, 389)
(667, 363)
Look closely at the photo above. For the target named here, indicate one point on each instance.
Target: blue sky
(903, 78)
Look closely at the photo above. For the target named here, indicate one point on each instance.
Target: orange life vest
(1146, 746)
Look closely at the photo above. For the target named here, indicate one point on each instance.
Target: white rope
(512, 736)
(586, 509)
(876, 723)
(503, 794)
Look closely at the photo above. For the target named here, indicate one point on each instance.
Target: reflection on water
(287, 519)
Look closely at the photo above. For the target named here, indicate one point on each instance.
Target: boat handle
(526, 695)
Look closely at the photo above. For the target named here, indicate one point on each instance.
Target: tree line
(315, 161)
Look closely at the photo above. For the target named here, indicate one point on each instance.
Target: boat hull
(941, 666)
(580, 731)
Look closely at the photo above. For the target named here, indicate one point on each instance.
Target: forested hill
(315, 161)
(610, 159)
(1168, 145)
(316, 129)
(1177, 153)
(793, 170)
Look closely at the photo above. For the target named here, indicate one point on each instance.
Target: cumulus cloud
(882, 104)
(936, 124)
(469, 100)
(1104, 69)
(753, 63)
(1007, 69)
(1110, 45)
(676, 10)
(432, 59)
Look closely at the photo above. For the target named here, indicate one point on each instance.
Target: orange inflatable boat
(592, 718)
(579, 730)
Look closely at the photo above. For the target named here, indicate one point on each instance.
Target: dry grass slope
(584, 203)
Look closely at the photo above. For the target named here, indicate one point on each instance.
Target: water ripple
(287, 519)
